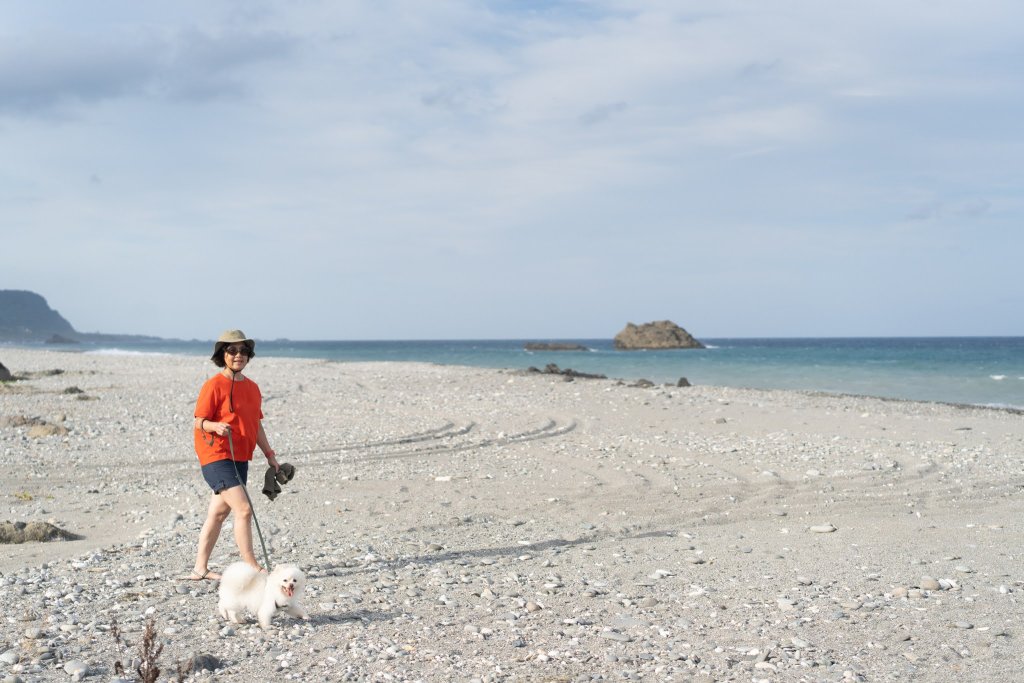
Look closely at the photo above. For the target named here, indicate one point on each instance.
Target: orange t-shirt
(214, 404)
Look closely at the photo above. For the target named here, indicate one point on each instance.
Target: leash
(231, 447)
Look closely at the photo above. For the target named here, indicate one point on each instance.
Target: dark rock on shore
(5, 374)
(21, 532)
(661, 334)
(568, 373)
(553, 346)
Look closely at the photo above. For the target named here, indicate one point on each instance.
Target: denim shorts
(220, 474)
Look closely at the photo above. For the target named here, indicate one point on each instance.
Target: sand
(486, 525)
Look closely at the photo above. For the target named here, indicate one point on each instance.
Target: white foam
(126, 352)
(997, 377)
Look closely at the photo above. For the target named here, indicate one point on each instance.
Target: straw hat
(232, 337)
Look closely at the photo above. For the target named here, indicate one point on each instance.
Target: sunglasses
(236, 350)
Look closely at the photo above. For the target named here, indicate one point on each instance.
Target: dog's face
(287, 581)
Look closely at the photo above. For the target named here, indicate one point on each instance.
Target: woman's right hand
(218, 428)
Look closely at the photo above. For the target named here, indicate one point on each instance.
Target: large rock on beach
(21, 532)
(552, 369)
(5, 374)
(661, 334)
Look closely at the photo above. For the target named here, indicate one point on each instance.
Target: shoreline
(461, 523)
(1012, 408)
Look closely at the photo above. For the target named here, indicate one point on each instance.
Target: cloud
(463, 99)
(37, 76)
(49, 73)
(602, 113)
(939, 210)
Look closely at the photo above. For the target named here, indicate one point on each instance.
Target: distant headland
(26, 317)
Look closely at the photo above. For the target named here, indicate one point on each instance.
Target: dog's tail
(252, 579)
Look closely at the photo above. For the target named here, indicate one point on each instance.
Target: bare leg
(215, 517)
(235, 498)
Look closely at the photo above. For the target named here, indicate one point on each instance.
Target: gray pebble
(76, 667)
(616, 636)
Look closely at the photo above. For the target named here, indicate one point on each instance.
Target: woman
(228, 428)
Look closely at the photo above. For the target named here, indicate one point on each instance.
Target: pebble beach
(480, 525)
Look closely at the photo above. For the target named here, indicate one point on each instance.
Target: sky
(399, 169)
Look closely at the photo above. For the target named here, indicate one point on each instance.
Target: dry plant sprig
(149, 654)
(115, 633)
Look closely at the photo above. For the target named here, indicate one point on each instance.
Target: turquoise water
(976, 370)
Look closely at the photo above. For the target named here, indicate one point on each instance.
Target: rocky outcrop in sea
(661, 334)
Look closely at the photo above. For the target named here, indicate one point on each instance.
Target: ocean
(974, 370)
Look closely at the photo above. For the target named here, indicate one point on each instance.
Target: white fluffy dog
(244, 588)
